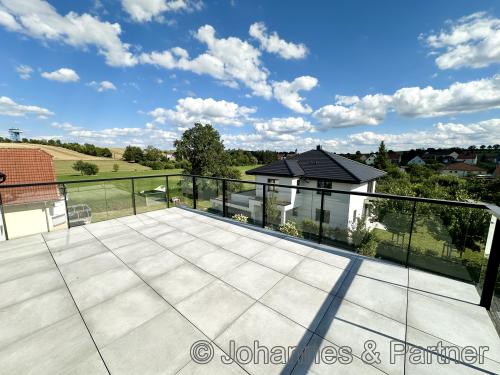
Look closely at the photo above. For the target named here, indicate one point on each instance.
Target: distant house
(370, 160)
(315, 168)
(417, 160)
(454, 155)
(363, 157)
(170, 156)
(463, 170)
(33, 209)
(439, 156)
(467, 158)
(395, 157)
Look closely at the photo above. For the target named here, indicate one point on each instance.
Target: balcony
(132, 294)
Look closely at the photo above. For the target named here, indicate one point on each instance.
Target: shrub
(368, 248)
(116, 167)
(241, 218)
(85, 168)
(310, 227)
(290, 228)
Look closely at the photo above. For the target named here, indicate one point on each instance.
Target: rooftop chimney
(319, 148)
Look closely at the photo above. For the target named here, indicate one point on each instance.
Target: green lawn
(64, 167)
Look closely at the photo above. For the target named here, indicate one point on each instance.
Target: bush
(368, 248)
(85, 168)
(116, 167)
(241, 218)
(290, 228)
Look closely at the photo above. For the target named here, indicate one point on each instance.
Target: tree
(382, 159)
(86, 168)
(133, 154)
(153, 154)
(202, 147)
(116, 167)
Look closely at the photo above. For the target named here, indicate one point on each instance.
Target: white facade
(341, 210)
(370, 160)
(417, 160)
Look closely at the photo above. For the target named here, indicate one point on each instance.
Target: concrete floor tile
(194, 249)
(160, 346)
(221, 237)
(15, 243)
(321, 357)
(22, 319)
(336, 259)
(279, 260)
(213, 308)
(154, 230)
(294, 247)
(119, 315)
(157, 264)
(90, 266)
(379, 296)
(219, 262)
(348, 324)
(320, 275)
(72, 254)
(447, 289)
(382, 271)
(300, 302)
(462, 325)
(246, 247)
(270, 330)
(181, 282)
(26, 266)
(133, 252)
(52, 350)
(70, 239)
(198, 229)
(22, 252)
(93, 290)
(216, 366)
(23, 288)
(252, 279)
(128, 238)
(172, 239)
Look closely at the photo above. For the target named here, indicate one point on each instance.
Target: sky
(265, 74)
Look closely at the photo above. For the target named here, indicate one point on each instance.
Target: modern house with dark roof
(315, 168)
(34, 209)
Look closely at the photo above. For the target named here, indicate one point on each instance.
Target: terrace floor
(132, 295)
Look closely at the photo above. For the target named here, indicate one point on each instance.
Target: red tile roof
(467, 156)
(463, 167)
(22, 166)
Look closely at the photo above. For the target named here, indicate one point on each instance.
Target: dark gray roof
(320, 165)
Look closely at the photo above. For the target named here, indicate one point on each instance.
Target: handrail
(479, 205)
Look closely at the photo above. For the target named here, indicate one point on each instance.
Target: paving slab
(279, 260)
(246, 247)
(89, 266)
(320, 275)
(193, 250)
(156, 265)
(219, 262)
(213, 308)
(253, 279)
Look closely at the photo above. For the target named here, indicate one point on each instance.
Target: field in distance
(58, 153)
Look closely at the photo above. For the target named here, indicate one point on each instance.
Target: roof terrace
(160, 292)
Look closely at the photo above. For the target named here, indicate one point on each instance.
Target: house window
(272, 181)
(298, 184)
(295, 211)
(322, 184)
(370, 187)
(326, 215)
(354, 216)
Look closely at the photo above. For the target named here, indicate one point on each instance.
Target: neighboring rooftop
(132, 295)
(463, 167)
(27, 165)
(319, 164)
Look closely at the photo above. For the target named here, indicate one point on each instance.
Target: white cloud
(106, 133)
(287, 93)
(459, 98)
(147, 10)
(273, 44)
(65, 126)
(472, 41)
(8, 107)
(40, 20)
(102, 86)
(61, 75)
(353, 111)
(191, 110)
(286, 128)
(24, 71)
(230, 60)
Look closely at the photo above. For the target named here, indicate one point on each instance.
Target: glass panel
(450, 241)
(209, 195)
(31, 210)
(91, 202)
(150, 194)
(302, 214)
(244, 202)
(180, 191)
(495, 305)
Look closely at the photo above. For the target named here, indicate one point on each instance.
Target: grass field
(64, 167)
(58, 153)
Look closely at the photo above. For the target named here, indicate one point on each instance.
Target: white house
(315, 168)
(463, 170)
(467, 158)
(370, 160)
(417, 160)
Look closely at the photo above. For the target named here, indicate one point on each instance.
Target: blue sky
(345, 74)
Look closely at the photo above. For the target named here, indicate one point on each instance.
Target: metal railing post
(167, 192)
(264, 205)
(133, 196)
(490, 277)
(224, 198)
(194, 192)
(411, 231)
(65, 194)
(321, 217)
(2, 208)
